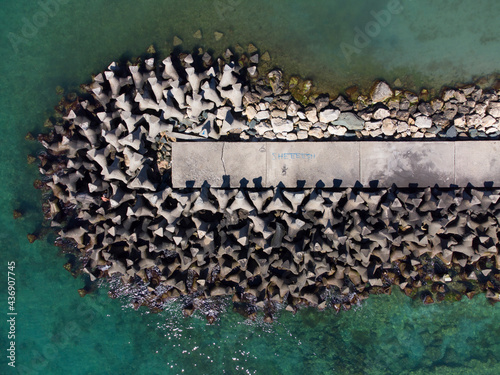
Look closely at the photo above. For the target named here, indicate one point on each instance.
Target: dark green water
(428, 43)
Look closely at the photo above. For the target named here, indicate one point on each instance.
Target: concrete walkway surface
(336, 164)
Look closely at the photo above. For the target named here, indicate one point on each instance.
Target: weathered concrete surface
(193, 163)
(220, 164)
(405, 163)
(336, 164)
(245, 164)
(297, 164)
(477, 163)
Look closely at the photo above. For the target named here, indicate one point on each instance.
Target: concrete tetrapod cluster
(107, 167)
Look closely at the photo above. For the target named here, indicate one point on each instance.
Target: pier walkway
(336, 164)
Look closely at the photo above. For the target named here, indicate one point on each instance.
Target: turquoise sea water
(424, 44)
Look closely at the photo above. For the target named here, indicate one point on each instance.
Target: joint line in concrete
(222, 158)
(454, 163)
(359, 162)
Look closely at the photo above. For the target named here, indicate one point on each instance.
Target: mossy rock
(17, 214)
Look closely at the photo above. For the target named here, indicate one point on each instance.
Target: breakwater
(108, 167)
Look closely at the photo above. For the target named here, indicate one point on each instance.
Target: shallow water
(427, 44)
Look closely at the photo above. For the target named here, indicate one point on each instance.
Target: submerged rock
(218, 35)
(17, 214)
(177, 41)
(197, 34)
(32, 237)
(83, 292)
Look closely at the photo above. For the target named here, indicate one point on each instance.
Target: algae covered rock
(32, 237)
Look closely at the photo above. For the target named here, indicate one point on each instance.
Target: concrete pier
(336, 164)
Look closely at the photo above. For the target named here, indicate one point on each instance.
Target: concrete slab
(335, 164)
(405, 163)
(193, 163)
(308, 164)
(477, 163)
(220, 164)
(245, 164)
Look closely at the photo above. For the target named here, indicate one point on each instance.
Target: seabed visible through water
(428, 44)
